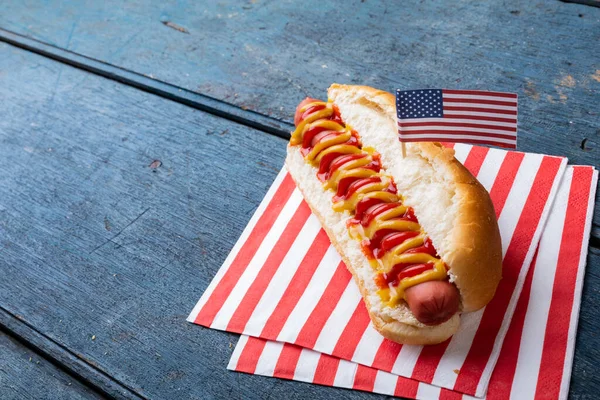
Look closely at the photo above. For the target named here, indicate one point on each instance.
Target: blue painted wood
(105, 249)
(97, 243)
(584, 379)
(142, 82)
(76, 365)
(265, 56)
(26, 375)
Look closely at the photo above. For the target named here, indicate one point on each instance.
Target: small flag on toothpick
(459, 116)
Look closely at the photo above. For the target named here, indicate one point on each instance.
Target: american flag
(459, 116)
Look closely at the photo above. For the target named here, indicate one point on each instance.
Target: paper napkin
(284, 281)
(536, 357)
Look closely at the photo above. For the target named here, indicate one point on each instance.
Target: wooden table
(137, 138)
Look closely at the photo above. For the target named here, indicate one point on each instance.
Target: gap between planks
(65, 359)
(171, 92)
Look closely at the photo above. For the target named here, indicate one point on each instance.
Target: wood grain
(265, 56)
(585, 382)
(78, 367)
(25, 375)
(163, 89)
(105, 251)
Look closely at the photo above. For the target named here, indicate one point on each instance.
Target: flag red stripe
(352, 333)
(470, 141)
(297, 286)
(504, 372)
(386, 355)
(479, 101)
(246, 307)
(247, 251)
(482, 118)
(475, 159)
(561, 306)
(326, 370)
(477, 109)
(287, 361)
(364, 378)
(428, 361)
(318, 317)
(458, 132)
(505, 179)
(441, 122)
(483, 341)
(480, 93)
(406, 388)
(250, 355)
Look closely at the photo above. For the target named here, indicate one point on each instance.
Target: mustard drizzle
(357, 168)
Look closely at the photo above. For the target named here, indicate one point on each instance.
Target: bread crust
(474, 254)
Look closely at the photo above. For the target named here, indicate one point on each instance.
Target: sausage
(433, 302)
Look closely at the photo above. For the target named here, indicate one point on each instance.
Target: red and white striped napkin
(537, 354)
(284, 281)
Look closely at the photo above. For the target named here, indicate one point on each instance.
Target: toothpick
(403, 149)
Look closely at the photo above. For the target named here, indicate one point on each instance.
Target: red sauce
(393, 240)
(351, 188)
(366, 249)
(426, 248)
(338, 162)
(377, 210)
(343, 186)
(337, 116)
(410, 215)
(321, 136)
(309, 135)
(367, 209)
(363, 206)
(378, 238)
(326, 161)
(354, 186)
(311, 110)
(399, 272)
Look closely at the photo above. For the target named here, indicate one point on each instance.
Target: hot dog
(417, 232)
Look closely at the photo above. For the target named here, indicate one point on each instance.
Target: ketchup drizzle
(368, 208)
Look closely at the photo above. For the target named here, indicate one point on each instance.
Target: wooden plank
(106, 255)
(117, 209)
(163, 89)
(24, 374)
(76, 364)
(584, 379)
(241, 54)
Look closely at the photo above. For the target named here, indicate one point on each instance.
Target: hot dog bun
(451, 205)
